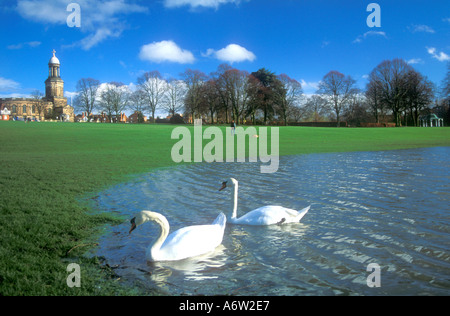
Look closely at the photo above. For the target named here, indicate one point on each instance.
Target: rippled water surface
(390, 208)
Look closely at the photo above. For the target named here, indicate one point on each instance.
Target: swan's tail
(302, 213)
(221, 220)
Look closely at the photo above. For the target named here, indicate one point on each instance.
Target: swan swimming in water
(186, 242)
(266, 215)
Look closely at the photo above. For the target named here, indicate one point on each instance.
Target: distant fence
(377, 124)
(319, 124)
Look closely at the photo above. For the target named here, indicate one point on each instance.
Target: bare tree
(358, 110)
(210, 99)
(316, 108)
(137, 104)
(173, 100)
(420, 94)
(290, 97)
(338, 89)
(374, 99)
(154, 88)
(106, 101)
(296, 114)
(220, 78)
(121, 98)
(86, 98)
(237, 88)
(444, 108)
(114, 99)
(392, 80)
(193, 79)
(446, 85)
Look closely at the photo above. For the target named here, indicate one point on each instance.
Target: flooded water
(391, 208)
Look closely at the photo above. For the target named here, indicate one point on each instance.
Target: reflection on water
(390, 208)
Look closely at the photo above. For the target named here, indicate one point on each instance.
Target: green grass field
(46, 167)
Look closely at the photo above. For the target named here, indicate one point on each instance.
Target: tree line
(395, 91)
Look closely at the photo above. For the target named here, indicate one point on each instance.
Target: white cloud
(71, 96)
(123, 64)
(101, 19)
(14, 95)
(197, 3)
(310, 87)
(105, 85)
(21, 45)
(43, 11)
(441, 56)
(413, 61)
(422, 28)
(233, 53)
(165, 51)
(99, 36)
(360, 38)
(8, 84)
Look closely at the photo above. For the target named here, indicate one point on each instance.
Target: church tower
(54, 93)
(54, 105)
(54, 85)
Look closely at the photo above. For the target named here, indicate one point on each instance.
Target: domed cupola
(54, 85)
(53, 66)
(54, 60)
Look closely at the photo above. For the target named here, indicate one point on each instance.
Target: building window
(24, 110)
(33, 109)
(14, 109)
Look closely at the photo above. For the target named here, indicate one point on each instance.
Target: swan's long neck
(235, 200)
(165, 227)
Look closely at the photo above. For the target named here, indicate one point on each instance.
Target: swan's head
(135, 222)
(143, 217)
(233, 181)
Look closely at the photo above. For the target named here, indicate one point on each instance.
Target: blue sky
(120, 39)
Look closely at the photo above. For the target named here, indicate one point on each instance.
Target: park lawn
(45, 168)
(308, 140)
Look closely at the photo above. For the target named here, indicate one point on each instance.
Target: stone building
(53, 106)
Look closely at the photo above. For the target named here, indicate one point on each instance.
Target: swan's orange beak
(224, 185)
(133, 225)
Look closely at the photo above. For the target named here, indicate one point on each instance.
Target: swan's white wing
(193, 241)
(221, 220)
(271, 214)
(302, 213)
(266, 215)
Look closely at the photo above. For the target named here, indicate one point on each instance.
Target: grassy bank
(45, 167)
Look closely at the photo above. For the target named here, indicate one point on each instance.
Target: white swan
(184, 243)
(266, 215)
